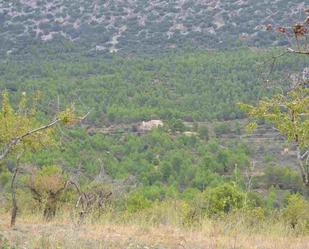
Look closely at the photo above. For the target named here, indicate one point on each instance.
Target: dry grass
(32, 233)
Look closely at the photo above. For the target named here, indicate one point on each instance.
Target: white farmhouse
(149, 125)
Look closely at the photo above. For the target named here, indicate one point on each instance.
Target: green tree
(288, 112)
(22, 132)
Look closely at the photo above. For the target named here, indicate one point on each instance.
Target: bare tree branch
(290, 50)
(85, 116)
(304, 155)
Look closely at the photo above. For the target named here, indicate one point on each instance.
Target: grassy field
(31, 232)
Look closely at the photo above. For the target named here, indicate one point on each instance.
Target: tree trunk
(303, 164)
(50, 207)
(14, 202)
(304, 171)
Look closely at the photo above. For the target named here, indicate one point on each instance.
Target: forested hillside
(147, 27)
(192, 86)
(188, 92)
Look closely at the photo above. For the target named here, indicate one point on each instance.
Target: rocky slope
(132, 26)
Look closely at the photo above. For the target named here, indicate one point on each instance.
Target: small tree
(47, 185)
(21, 131)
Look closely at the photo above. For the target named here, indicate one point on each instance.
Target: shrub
(203, 132)
(46, 185)
(223, 199)
(176, 125)
(255, 200)
(190, 194)
(137, 201)
(284, 178)
(223, 128)
(296, 213)
(255, 215)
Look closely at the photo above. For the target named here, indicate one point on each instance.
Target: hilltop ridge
(96, 26)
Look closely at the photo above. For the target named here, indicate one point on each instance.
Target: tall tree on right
(288, 111)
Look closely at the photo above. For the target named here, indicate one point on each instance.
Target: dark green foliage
(283, 177)
(223, 199)
(192, 86)
(157, 158)
(203, 132)
(221, 129)
(176, 125)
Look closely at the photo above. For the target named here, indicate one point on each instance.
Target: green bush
(222, 199)
(255, 200)
(203, 132)
(223, 128)
(176, 125)
(190, 193)
(284, 178)
(137, 202)
(296, 213)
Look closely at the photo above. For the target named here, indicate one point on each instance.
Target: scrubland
(160, 227)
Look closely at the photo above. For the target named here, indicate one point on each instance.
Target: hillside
(147, 27)
(191, 86)
(200, 90)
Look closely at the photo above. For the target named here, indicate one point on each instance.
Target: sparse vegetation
(142, 27)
